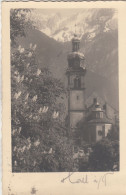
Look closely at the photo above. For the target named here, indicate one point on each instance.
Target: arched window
(77, 83)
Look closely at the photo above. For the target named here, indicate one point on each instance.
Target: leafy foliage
(37, 125)
(105, 156)
(113, 134)
(39, 141)
(18, 23)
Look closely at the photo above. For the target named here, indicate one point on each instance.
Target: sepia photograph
(64, 90)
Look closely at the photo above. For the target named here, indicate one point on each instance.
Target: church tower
(76, 86)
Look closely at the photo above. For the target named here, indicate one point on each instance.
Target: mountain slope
(53, 54)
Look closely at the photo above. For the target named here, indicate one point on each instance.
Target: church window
(77, 83)
(97, 114)
(101, 114)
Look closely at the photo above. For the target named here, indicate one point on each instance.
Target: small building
(109, 110)
(98, 125)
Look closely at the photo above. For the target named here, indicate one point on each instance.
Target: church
(91, 116)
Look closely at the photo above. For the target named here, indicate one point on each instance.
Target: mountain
(97, 28)
(61, 24)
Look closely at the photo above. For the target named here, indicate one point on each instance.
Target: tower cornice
(80, 71)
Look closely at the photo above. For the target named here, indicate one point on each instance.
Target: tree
(82, 133)
(113, 134)
(36, 116)
(105, 156)
(39, 141)
(18, 24)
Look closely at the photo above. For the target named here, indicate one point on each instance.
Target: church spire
(75, 42)
(75, 28)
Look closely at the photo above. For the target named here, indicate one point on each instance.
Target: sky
(63, 12)
(66, 12)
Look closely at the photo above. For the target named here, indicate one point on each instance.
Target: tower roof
(76, 58)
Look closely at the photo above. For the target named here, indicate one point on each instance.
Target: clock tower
(76, 85)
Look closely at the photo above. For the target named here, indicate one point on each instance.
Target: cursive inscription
(103, 179)
(86, 179)
(83, 180)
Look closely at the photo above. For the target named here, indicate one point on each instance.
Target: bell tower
(76, 86)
